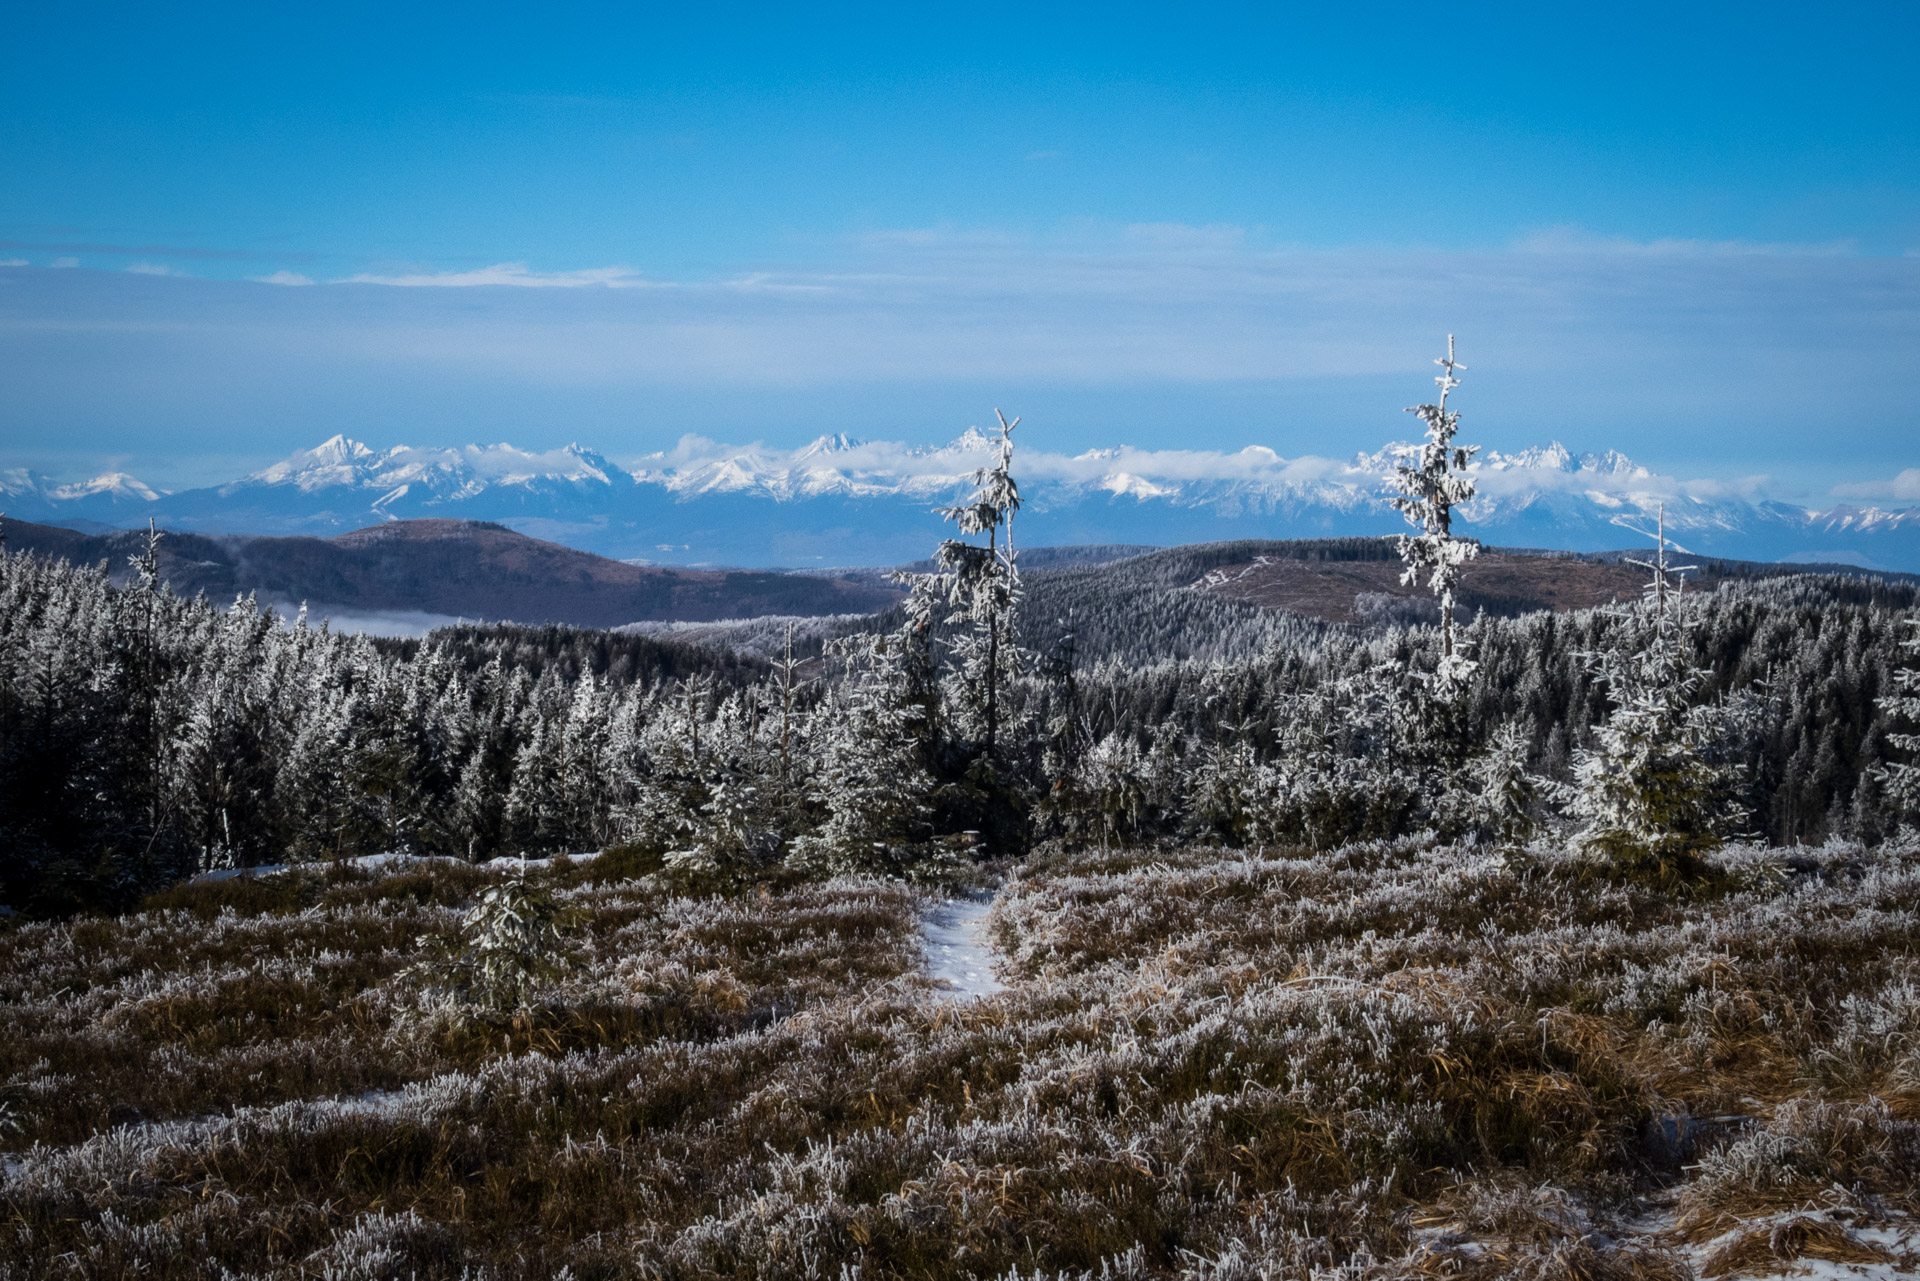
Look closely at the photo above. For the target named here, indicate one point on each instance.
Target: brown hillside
(461, 568)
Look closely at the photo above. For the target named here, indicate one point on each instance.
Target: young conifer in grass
(514, 941)
(1647, 792)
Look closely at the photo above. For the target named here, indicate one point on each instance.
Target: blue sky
(1688, 232)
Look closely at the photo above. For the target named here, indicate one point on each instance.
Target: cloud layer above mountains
(1723, 360)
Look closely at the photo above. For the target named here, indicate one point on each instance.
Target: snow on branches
(984, 591)
(1902, 781)
(1429, 481)
(1654, 788)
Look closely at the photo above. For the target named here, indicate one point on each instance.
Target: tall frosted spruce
(1429, 481)
(984, 586)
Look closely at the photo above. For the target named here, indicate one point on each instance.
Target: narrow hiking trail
(959, 953)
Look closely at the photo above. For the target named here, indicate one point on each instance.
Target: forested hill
(1235, 599)
(468, 569)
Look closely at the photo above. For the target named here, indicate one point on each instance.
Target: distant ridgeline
(453, 568)
(146, 735)
(841, 501)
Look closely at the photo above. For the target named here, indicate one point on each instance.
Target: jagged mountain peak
(332, 461)
(23, 482)
(836, 499)
(970, 441)
(834, 443)
(1553, 456)
(115, 487)
(113, 484)
(337, 449)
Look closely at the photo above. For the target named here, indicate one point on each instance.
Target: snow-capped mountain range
(840, 501)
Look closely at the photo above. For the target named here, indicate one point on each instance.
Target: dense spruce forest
(145, 737)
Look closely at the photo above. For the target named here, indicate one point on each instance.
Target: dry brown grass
(1762, 1251)
(1393, 1060)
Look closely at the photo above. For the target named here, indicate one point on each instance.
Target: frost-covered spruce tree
(1901, 781)
(1505, 791)
(872, 782)
(1649, 793)
(477, 810)
(1429, 481)
(219, 780)
(1105, 793)
(733, 839)
(1644, 793)
(514, 940)
(984, 591)
(152, 710)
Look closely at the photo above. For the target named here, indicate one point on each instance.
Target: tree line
(145, 737)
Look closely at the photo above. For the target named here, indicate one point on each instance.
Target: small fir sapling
(513, 940)
(1430, 480)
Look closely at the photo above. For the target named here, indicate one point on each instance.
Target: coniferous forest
(1571, 944)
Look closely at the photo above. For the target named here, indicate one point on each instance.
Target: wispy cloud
(64, 262)
(1574, 240)
(284, 278)
(154, 269)
(507, 273)
(1725, 363)
(1902, 488)
(13, 262)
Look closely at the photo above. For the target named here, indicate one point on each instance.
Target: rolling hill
(456, 568)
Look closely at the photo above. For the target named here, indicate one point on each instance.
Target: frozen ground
(958, 953)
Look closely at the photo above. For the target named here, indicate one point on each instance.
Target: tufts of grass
(1393, 1059)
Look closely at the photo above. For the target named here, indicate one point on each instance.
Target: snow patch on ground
(959, 955)
(1893, 1236)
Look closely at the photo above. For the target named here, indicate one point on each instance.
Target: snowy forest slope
(145, 737)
